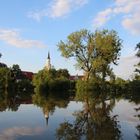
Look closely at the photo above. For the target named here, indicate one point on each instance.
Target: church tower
(48, 62)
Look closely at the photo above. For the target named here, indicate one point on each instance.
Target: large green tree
(93, 51)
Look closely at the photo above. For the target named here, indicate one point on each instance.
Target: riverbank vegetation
(14, 81)
(51, 80)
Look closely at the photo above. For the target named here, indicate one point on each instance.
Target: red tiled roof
(28, 74)
(75, 77)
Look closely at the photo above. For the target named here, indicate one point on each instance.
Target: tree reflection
(138, 126)
(134, 97)
(12, 100)
(50, 102)
(93, 121)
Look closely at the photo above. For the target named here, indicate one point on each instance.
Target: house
(76, 77)
(28, 74)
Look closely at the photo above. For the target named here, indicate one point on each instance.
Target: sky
(31, 28)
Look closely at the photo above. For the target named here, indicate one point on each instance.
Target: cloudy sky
(31, 28)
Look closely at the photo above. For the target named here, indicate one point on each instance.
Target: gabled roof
(28, 74)
(75, 77)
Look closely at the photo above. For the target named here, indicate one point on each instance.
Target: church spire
(48, 55)
(48, 63)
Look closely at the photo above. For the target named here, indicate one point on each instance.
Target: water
(54, 118)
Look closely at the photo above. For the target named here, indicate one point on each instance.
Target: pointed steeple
(48, 55)
(46, 115)
(48, 62)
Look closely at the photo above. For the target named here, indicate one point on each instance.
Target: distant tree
(5, 78)
(119, 81)
(52, 80)
(138, 48)
(0, 55)
(94, 52)
(16, 71)
(138, 55)
(16, 67)
(63, 73)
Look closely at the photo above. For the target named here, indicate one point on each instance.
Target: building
(48, 62)
(46, 115)
(28, 74)
(48, 66)
(76, 77)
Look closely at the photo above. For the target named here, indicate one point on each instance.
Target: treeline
(52, 80)
(13, 81)
(94, 52)
(14, 87)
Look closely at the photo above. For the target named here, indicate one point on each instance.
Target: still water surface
(71, 120)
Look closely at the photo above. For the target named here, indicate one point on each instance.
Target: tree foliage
(138, 55)
(138, 48)
(52, 80)
(14, 82)
(94, 52)
(16, 71)
(5, 78)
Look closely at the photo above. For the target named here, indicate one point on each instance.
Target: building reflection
(46, 115)
(49, 103)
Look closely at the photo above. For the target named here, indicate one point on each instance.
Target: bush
(50, 81)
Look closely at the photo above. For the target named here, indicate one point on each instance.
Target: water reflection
(49, 103)
(12, 102)
(93, 121)
(17, 132)
(138, 126)
(65, 118)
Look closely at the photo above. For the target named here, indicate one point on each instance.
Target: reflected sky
(127, 116)
(29, 121)
(12, 133)
(126, 111)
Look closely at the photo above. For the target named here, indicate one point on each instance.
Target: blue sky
(31, 28)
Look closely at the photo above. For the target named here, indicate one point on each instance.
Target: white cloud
(122, 2)
(102, 17)
(132, 23)
(37, 15)
(56, 9)
(11, 133)
(128, 9)
(60, 8)
(12, 37)
(126, 68)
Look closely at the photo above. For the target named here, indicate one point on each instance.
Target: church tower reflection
(46, 115)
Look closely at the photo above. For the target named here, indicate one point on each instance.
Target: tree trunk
(86, 76)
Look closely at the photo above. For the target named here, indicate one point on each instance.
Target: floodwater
(69, 119)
